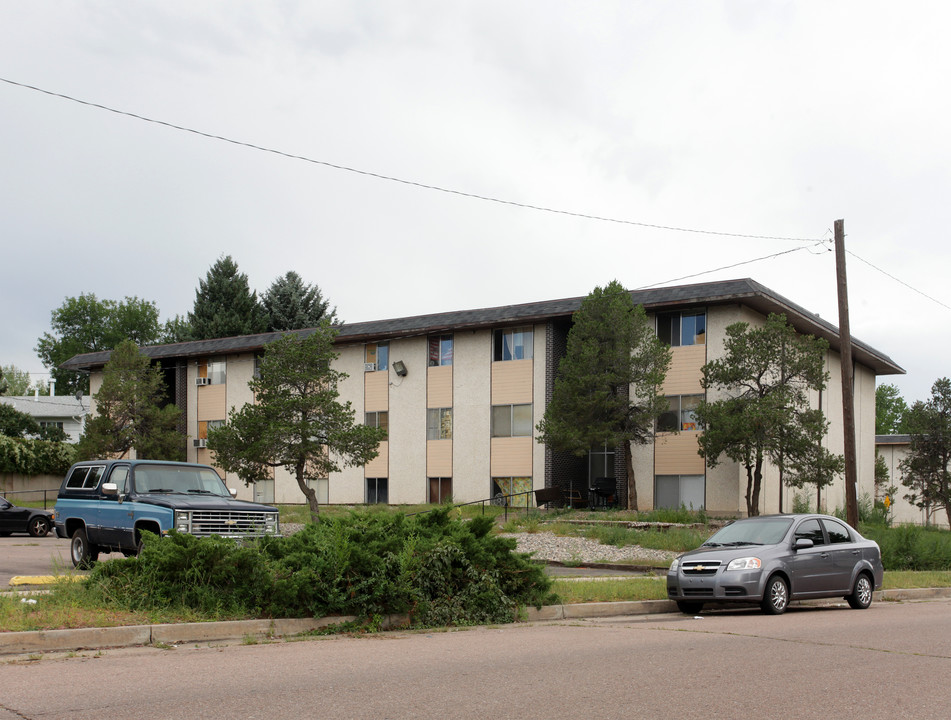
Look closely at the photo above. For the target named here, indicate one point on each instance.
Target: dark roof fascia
(740, 292)
(893, 439)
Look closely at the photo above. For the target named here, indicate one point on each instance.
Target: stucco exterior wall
(471, 414)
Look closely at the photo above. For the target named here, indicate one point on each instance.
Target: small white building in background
(893, 449)
(63, 411)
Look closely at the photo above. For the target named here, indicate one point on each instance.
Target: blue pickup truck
(106, 505)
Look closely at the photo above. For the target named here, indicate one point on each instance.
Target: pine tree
(606, 387)
(130, 412)
(291, 304)
(225, 305)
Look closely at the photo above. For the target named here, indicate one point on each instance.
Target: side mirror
(234, 493)
(110, 489)
(802, 544)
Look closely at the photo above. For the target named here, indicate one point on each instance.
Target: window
(322, 486)
(810, 530)
(511, 420)
(377, 356)
(51, 424)
(439, 424)
(838, 533)
(214, 370)
(257, 366)
(512, 344)
(513, 491)
(677, 329)
(120, 476)
(205, 425)
(601, 462)
(379, 419)
(680, 415)
(377, 491)
(440, 490)
(674, 491)
(440, 350)
(85, 477)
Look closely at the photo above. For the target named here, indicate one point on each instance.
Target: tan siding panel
(379, 467)
(683, 377)
(677, 454)
(512, 382)
(512, 457)
(439, 458)
(439, 387)
(212, 402)
(376, 397)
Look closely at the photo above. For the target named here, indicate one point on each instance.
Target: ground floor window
(513, 491)
(264, 491)
(674, 491)
(440, 490)
(322, 486)
(377, 491)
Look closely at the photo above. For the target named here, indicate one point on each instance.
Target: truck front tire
(81, 551)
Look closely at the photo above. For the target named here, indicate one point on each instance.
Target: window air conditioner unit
(369, 367)
(202, 381)
(200, 443)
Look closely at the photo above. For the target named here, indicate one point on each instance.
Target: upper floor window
(379, 419)
(377, 356)
(680, 415)
(214, 371)
(440, 350)
(512, 344)
(511, 420)
(439, 424)
(686, 328)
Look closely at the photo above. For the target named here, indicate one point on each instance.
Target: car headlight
(674, 565)
(182, 521)
(747, 563)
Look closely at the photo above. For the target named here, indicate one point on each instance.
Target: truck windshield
(171, 479)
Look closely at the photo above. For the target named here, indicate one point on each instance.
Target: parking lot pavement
(24, 556)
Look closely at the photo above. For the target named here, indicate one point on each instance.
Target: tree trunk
(631, 483)
(749, 491)
(309, 493)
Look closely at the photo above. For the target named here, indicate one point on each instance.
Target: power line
(900, 282)
(728, 267)
(390, 178)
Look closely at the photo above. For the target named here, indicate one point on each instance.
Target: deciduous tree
(14, 381)
(925, 470)
(87, 324)
(606, 387)
(764, 414)
(296, 420)
(131, 411)
(890, 410)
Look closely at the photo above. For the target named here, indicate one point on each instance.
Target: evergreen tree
(225, 306)
(613, 353)
(926, 470)
(296, 420)
(766, 374)
(130, 411)
(291, 304)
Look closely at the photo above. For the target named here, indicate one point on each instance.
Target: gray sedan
(773, 559)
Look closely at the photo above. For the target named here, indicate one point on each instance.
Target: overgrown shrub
(27, 456)
(911, 547)
(367, 563)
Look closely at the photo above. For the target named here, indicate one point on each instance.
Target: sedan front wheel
(776, 597)
(38, 527)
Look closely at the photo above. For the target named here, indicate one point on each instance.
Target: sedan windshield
(172, 479)
(758, 531)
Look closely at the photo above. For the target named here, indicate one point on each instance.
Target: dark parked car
(15, 519)
(774, 559)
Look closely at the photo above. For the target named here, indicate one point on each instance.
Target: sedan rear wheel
(861, 596)
(776, 597)
(38, 526)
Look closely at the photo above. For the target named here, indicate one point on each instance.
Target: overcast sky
(768, 119)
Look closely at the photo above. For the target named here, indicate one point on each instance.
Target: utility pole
(848, 393)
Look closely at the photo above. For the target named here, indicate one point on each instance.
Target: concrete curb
(40, 641)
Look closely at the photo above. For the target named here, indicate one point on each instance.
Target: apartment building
(460, 394)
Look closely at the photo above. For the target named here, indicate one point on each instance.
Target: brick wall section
(562, 470)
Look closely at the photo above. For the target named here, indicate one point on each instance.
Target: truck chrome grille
(229, 523)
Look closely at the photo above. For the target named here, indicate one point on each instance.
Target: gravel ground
(548, 546)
